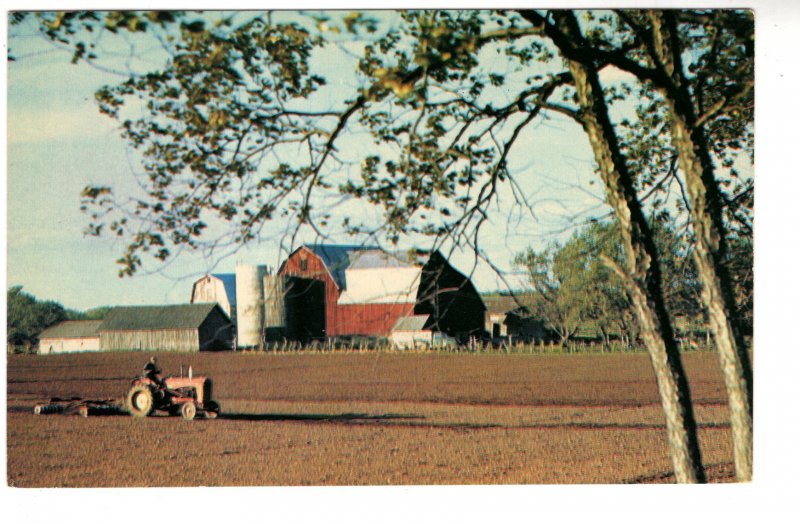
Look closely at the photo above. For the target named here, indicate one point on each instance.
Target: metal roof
(411, 323)
(72, 329)
(394, 285)
(336, 258)
(229, 283)
(152, 318)
(377, 259)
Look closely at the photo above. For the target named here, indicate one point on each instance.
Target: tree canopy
(28, 317)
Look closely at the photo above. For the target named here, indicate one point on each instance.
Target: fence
(363, 345)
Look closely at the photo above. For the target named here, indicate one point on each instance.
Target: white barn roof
(377, 277)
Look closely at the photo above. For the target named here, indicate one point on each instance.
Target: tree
(559, 300)
(576, 277)
(573, 284)
(709, 104)
(28, 317)
(230, 133)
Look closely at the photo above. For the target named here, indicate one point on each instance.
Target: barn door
(305, 309)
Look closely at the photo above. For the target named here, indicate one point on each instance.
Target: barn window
(303, 264)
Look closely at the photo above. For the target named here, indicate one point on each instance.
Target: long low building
(70, 336)
(179, 327)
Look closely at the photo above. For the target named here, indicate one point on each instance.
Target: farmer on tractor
(153, 372)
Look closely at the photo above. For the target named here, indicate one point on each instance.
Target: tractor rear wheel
(139, 400)
(188, 411)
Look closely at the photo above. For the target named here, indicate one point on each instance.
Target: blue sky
(58, 143)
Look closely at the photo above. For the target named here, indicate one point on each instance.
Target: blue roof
(229, 282)
(336, 258)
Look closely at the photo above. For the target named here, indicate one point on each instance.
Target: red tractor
(185, 396)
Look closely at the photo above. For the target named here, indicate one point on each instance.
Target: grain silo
(274, 306)
(250, 304)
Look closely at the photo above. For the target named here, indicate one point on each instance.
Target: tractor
(185, 396)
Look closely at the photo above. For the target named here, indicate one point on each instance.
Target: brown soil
(364, 419)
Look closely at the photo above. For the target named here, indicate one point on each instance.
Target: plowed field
(364, 419)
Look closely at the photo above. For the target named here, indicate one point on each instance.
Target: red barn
(366, 290)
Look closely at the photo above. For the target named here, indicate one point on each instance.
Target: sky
(58, 143)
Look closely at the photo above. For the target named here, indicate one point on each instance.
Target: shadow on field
(411, 421)
(341, 417)
(720, 472)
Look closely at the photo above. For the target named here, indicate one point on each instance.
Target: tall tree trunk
(642, 274)
(710, 246)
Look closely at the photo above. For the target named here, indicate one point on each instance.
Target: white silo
(274, 305)
(250, 304)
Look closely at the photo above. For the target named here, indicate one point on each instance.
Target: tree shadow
(324, 417)
(719, 472)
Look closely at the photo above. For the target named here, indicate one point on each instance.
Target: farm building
(411, 331)
(507, 318)
(415, 331)
(219, 288)
(69, 336)
(181, 327)
(340, 290)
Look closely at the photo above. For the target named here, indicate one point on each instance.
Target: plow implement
(77, 406)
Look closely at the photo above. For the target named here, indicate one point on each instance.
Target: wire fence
(366, 344)
(478, 347)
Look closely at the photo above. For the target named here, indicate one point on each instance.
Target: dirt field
(364, 419)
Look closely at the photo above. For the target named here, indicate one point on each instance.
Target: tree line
(28, 316)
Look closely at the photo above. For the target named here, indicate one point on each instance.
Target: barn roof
(229, 283)
(336, 258)
(151, 318)
(380, 259)
(72, 329)
(377, 277)
(395, 285)
(411, 323)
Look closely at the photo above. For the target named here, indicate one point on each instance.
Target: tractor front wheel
(188, 411)
(139, 400)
